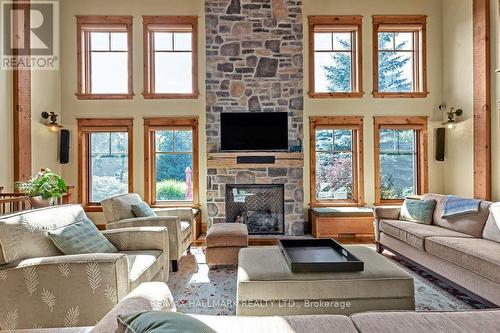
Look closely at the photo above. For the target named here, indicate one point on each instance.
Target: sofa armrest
(384, 213)
(69, 290)
(138, 238)
(148, 296)
(184, 214)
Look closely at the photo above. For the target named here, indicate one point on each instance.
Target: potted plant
(43, 188)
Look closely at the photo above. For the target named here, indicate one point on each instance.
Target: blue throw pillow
(161, 322)
(419, 211)
(142, 210)
(80, 237)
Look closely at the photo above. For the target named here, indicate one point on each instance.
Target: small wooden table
(338, 222)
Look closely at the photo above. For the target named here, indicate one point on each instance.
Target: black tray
(318, 255)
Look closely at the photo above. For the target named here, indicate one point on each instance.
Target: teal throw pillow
(142, 210)
(161, 322)
(419, 211)
(80, 237)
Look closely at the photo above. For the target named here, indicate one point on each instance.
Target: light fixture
(452, 114)
(52, 125)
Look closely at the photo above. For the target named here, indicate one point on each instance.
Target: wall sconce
(452, 114)
(52, 126)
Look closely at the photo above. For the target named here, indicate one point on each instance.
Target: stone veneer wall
(254, 63)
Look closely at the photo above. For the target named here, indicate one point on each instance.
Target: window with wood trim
(104, 57)
(171, 161)
(399, 56)
(336, 161)
(335, 56)
(105, 154)
(400, 158)
(170, 57)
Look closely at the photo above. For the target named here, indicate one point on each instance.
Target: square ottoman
(224, 241)
(267, 286)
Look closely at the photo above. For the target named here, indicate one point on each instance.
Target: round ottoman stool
(224, 241)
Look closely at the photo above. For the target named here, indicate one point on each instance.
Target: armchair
(41, 287)
(179, 222)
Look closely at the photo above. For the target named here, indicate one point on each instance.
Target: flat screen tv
(258, 131)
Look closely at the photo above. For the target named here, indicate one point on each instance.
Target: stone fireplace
(254, 64)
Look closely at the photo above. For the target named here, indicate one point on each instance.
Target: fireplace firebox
(260, 207)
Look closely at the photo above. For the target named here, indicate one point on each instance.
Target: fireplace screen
(260, 207)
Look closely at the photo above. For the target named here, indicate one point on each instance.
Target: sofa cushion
(491, 230)
(480, 256)
(80, 237)
(120, 207)
(143, 266)
(414, 234)
(418, 322)
(418, 211)
(161, 322)
(471, 224)
(142, 210)
(24, 235)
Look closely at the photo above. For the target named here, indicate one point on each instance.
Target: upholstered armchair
(179, 222)
(41, 287)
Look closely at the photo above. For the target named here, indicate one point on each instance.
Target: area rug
(196, 289)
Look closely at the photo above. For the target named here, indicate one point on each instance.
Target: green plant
(46, 184)
(170, 189)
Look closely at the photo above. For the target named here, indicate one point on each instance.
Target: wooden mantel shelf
(229, 160)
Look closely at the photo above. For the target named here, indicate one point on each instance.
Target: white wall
(458, 92)
(369, 106)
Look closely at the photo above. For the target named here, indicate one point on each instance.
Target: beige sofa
(465, 249)
(156, 296)
(179, 222)
(41, 287)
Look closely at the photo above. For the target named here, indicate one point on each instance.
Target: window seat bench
(342, 222)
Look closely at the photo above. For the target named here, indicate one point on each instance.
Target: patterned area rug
(196, 289)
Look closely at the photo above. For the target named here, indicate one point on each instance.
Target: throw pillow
(161, 322)
(80, 237)
(142, 210)
(419, 211)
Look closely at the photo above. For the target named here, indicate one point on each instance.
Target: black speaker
(64, 147)
(440, 143)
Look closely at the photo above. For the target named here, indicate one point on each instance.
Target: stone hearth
(254, 63)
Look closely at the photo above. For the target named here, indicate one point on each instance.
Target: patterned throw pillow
(419, 211)
(142, 210)
(161, 322)
(81, 237)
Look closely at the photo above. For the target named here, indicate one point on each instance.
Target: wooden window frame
(148, 54)
(349, 122)
(92, 125)
(150, 126)
(354, 24)
(418, 25)
(419, 124)
(105, 24)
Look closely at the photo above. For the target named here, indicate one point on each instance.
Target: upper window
(399, 60)
(171, 161)
(170, 57)
(104, 159)
(400, 157)
(335, 56)
(337, 160)
(104, 57)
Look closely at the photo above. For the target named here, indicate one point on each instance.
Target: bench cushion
(477, 255)
(227, 235)
(414, 234)
(342, 211)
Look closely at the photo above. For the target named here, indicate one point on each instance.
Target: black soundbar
(255, 159)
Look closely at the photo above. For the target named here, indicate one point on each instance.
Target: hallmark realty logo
(29, 35)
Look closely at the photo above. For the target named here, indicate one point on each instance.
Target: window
(170, 57)
(400, 158)
(399, 61)
(336, 161)
(104, 160)
(104, 57)
(171, 161)
(335, 56)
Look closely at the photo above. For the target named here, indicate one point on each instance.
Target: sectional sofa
(465, 249)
